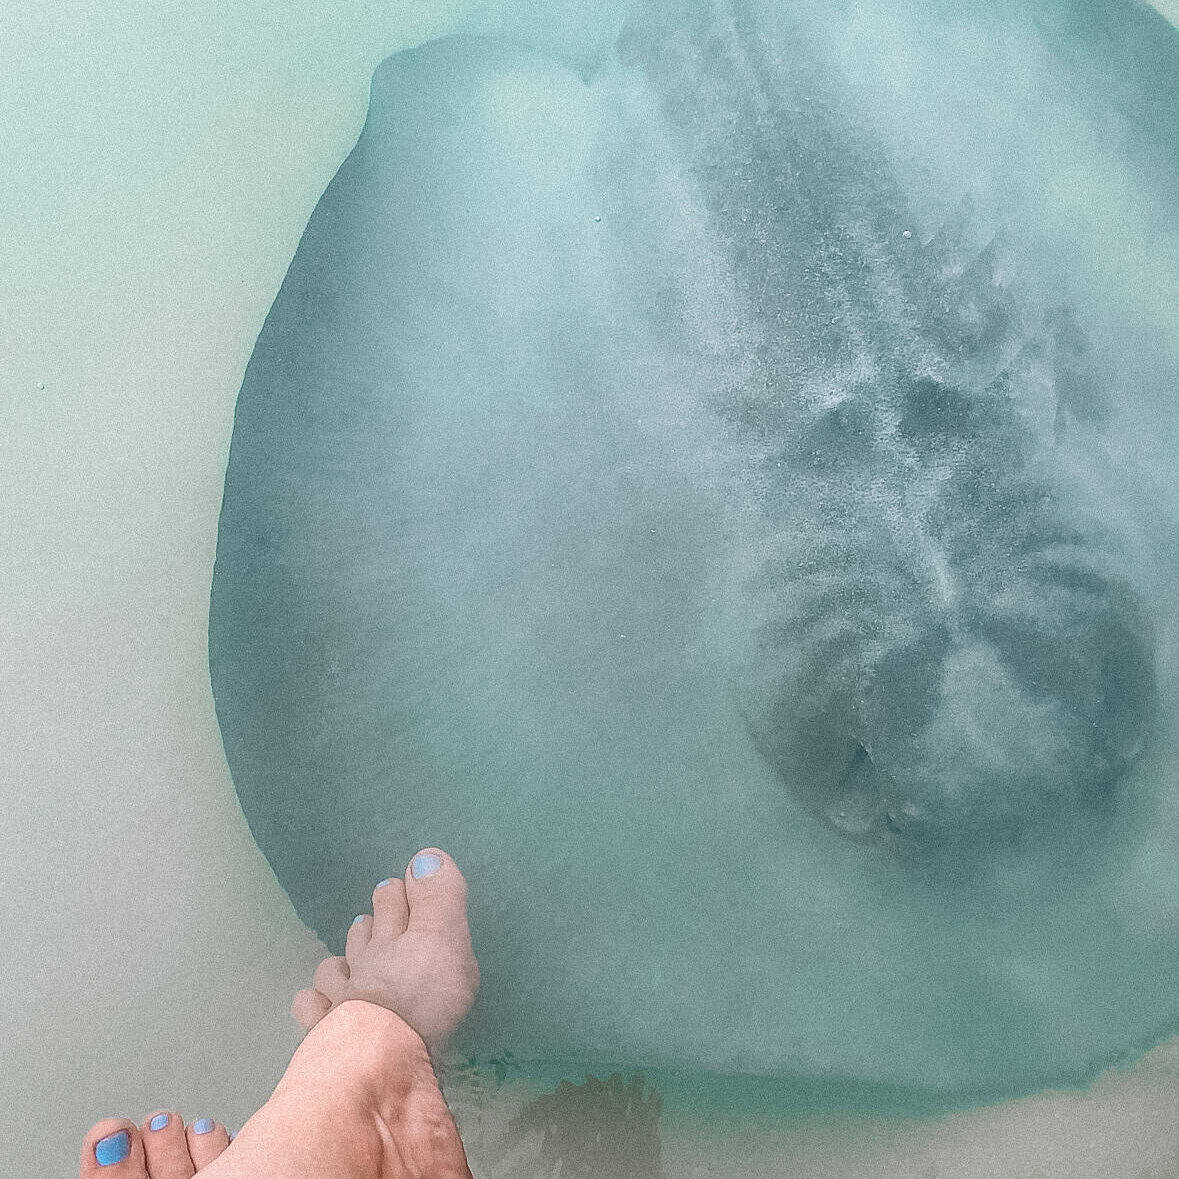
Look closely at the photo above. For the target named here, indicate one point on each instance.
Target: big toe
(113, 1149)
(437, 894)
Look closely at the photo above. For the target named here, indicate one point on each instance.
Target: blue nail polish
(202, 1126)
(113, 1149)
(358, 919)
(424, 864)
(388, 880)
(159, 1121)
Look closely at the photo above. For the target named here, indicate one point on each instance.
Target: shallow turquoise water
(710, 470)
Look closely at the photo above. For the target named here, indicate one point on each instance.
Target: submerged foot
(161, 1148)
(360, 1098)
(412, 956)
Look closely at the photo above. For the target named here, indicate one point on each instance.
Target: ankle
(374, 1072)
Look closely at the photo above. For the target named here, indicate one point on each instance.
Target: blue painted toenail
(202, 1126)
(358, 919)
(424, 864)
(159, 1121)
(113, 1149)
(384, 882)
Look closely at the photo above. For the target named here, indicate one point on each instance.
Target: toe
(206, 1140)
(360, 932)
(165, 1146)
(390, 908)
(436, 892)
(309, 1007)
(113, 1149)
(332, 979)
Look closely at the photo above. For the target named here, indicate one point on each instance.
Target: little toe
(165, 1146)
(437, 894)
(309, 1007)
(113, 1149)
(206, 1140)
(331, 978)
(360, 932)
(390, 908)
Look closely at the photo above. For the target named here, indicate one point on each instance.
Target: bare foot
(360, 1099)
(413, 955)
(162, 1148)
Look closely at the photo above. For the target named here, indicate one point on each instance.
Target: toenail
(113, 1149)
(424, 864)
(358, 919)
(202, 1126)
(389, 880)
(159, 1121)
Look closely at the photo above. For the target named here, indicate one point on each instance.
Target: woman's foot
(360, 1099)
(161, 1148)
(413, 955)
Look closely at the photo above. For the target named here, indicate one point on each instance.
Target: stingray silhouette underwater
(723, 492)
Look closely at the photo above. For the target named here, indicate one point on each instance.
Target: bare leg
(360, 1099)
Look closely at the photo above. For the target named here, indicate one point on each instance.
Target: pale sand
(160, 162)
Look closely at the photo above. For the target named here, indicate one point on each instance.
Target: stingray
(720, 488)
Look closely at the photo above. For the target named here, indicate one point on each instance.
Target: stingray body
(944, 650)
(714, 505)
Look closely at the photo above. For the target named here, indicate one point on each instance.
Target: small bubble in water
(907, 234)
(597, 219)
(41, 385)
